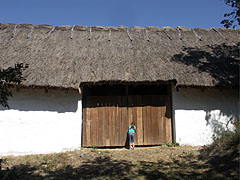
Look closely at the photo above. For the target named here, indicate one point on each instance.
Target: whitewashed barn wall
(39, 122)
(200, 114)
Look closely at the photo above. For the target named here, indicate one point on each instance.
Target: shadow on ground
(209, 164)
(223, 161)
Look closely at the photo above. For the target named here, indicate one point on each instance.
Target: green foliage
(168, 144)
(228, 137)
(223, 154)
(175, 144)
(10, 76)
(5, 174)
(94, 148)
(232, 18)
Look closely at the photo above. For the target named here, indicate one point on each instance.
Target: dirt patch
(91, 163)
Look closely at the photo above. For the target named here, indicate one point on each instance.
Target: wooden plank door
(152, 116)
(105, 121)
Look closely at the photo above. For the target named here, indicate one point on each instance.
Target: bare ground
(141, 163)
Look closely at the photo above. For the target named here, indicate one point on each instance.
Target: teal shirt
(132, 130)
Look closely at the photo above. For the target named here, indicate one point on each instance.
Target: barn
(85, 85)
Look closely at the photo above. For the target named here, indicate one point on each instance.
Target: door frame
(169, 86)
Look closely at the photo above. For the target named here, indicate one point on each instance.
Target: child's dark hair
(132, 125)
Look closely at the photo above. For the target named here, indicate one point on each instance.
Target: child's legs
(131, 139)
(133, 135)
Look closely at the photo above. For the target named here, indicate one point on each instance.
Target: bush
(222, 156)
(168, 144)
(228, 137)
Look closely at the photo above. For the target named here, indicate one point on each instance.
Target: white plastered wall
(40, 122)
(199, 114)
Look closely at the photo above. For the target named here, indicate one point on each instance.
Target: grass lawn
(141, 163)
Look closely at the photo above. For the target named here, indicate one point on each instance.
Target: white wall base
(39, 122)
(199, 115)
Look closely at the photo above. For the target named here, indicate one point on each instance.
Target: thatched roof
(67, 56)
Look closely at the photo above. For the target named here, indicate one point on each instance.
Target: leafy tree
(232, 18)
(10, 76)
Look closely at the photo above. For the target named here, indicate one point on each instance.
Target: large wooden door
(152, 116)
(106, 120)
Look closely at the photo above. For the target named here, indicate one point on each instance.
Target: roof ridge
(120, 27)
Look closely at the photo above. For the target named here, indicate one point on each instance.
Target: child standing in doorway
(131, 133)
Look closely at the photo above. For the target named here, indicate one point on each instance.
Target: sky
(160, 13)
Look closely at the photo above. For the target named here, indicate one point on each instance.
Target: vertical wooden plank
(127, 113)
(160, 124)
(158, 118)
(159, 110)
(130, 110)
(168, 120)
(139, 121)
(114, 110)
(157, 139)
(106, 127)
(118, 112)
(124, 119)
(94, 126)
(117, 133)
(144, 113)
(97, 123)
(159, 114)
(90, 121)
(153, 131)
(154, 120)
(163, 113)
(110, 114)
(168, 130)
(121, 123)
(149, 121)
(146, 120)
(84, 124)
(88, 127)
(164, 123)
(101, 122)
(118, 117)
(134, 115)
(116, 121)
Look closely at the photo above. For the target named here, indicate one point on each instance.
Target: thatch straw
(65, 56)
